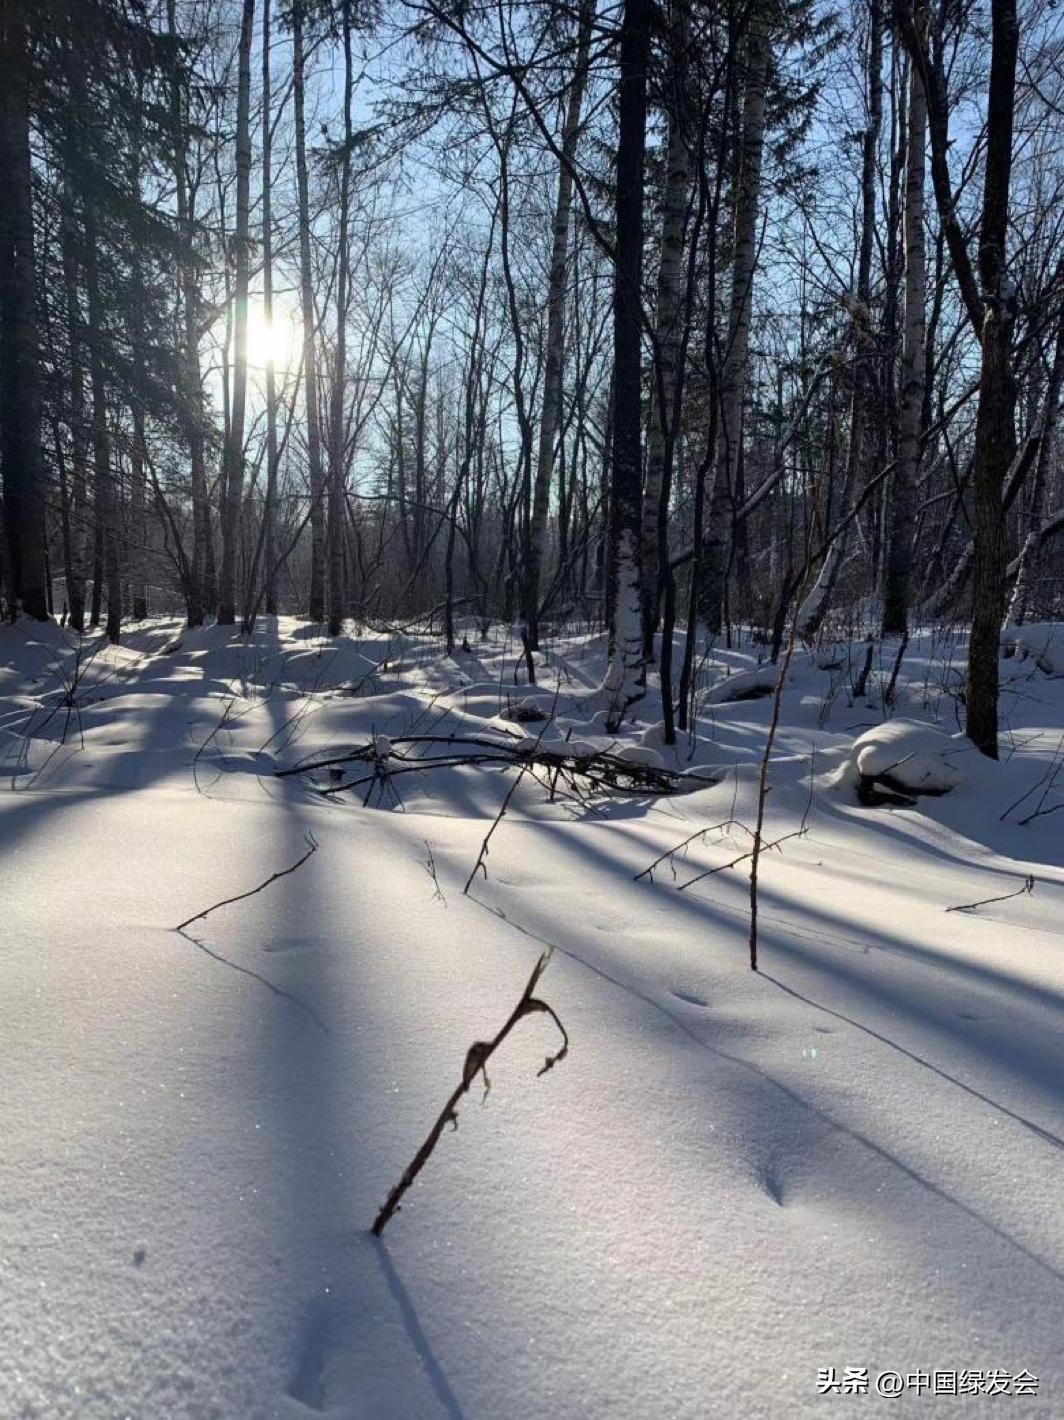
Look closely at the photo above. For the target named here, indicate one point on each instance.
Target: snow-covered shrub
(745, 685)
(905, 757)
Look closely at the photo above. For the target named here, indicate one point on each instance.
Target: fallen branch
(312, 847)
(1028, 888)
(610, 773)
(477, 1057)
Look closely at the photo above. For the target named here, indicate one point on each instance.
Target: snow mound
(909, 756)
(640, 754)
(1041, 642)
(745, 685)
(526, 711)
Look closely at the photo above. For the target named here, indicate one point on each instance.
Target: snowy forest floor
(733, 1180)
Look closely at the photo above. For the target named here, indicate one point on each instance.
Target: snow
(851, 1158)
(915, 756)
(1039, 643)
(744, 685)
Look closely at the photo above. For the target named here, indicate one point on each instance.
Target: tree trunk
(735, 364)
(1030, 554)
(815, 606)
(20, 370)
(316, 605)
(337, 479)
(899, 559)
(995, 435)
(103, 471)
(663, 418)
(190, 379)
(233, 487)
(137, 540)
(77, 540)
(554, 369)
(626, 674)
(269, 510)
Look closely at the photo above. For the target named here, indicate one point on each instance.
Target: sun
(275, 342)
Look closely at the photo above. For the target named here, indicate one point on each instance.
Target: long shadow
(438, 1380)
(1022, 1058)
(1036, 1068)
(169, 738)
(782, 1089)
(321, 1084)
(298, 1053)
(1036, 1129)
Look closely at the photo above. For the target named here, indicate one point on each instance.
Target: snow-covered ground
(732, 1182)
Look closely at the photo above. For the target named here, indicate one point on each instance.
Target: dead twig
(1027, 888)
(679, 847)
(760, 848)
(312, 847)
(430, 868)
(479, 864)
(477, 1057)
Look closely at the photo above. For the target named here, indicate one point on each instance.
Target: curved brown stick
(312, 847)
(477, 1057)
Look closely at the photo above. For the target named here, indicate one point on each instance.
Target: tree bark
(1025, 588)
(995, 435)
(337, 472)
(103, 470)
(269, 511)
(77, 537)
(626, 674)
(189, 376)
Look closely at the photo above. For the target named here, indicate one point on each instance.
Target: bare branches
(312, 847)
(476, 1061)
(679, 847)
(596, 770)
(759, 848)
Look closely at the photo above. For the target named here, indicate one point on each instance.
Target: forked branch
(476, 1062)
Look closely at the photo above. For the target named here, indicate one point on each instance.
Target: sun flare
(273, 342)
